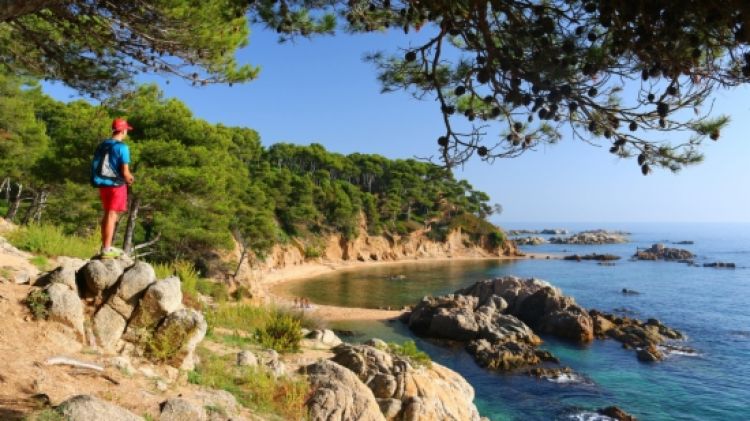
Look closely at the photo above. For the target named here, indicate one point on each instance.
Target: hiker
(110, 172)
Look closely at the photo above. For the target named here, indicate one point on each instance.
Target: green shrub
(41, 263)
(50, 240)
(282, 333)
(237, 317)
(164, 346)
(241, 293)
(214, 289)
(188, 275)
(312, 252)
(38, 303)
(410, 351)
(163, 270)
(48, 414)
(253, 387)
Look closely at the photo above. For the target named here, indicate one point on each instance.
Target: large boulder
(425, 392)
(183, 330)
(89, 408)
(548, 311)
(66, 307)
(161, 298)
(179, 409)
(65, 275)
(339, 395)
(109, 326)
(661, 252)
(100, 275)
(132, 285)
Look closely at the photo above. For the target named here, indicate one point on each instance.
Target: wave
(567, 378)
(589, 416)
(673, 350)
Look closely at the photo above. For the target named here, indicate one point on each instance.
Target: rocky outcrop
(591, 237)
(399, 389)
(720, 265)
(88, 408)
(593, 256)
(661, 252)
(161, 298)
(65, 306)
(645, 337)
(320, 339)
(179, 409)
(100, 275)
(65, 275)
(546, 231)
(616, 414)
(530, 241)
(184, 329)
(339, 395)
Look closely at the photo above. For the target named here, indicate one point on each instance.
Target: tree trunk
(135, 204)
(31, 211)
(243, 254)
(37, 217)
(15, 203)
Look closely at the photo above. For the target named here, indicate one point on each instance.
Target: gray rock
(161, 298)
(100, 275)
(108, 327)
(21, 278)
(223, 405)
(89, 408)
(338, 395)
(65, 275)
(186, 327)
(455, 323)
(246, 359)
(132, 285)
(323, 338)
(66, 307)
(377, 343)
(178, 409)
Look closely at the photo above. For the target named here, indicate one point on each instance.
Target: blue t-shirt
(109, 173)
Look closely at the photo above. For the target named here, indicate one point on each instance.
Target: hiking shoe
(110, 253)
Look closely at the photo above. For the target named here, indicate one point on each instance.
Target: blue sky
(321, 90)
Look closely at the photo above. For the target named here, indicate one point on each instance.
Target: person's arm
(125, 168)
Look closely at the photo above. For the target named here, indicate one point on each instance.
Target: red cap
(120, 124)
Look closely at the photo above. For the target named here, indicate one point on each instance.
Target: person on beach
(110, 172)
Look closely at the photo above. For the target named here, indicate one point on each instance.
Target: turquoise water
(712, 306)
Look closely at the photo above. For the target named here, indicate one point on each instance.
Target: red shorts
(114, 198)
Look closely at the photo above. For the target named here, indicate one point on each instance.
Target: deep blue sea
(711, 306)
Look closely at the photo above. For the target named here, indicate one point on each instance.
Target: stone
(650, 354)
(246, 359)
(22, 277)
(65, 275)
(187, 328)
(322, 339)
(616, 414)
(122, 363)
(132, 285)
(660, 252)
(390, 408)
(160, 299)
(100, 275)
(592, 256)
(455, 323)
(592, 237)
(337, 394)
(66, 307)
(88, 408)
(377, 343)
(109, 326)
(178, 409)
(441, 393)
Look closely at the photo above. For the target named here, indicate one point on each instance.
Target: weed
(38, 302)
(410, 351)
(254, 387)
(48, 414)
(50, 240)
(282, 333)
(164, 345)
(40, 262)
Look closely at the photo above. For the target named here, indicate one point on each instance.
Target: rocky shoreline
(498, 322)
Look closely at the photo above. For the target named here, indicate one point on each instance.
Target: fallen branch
(73, 363)
(148, 243)
(87, 372)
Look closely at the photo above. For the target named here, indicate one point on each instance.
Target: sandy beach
(277, 283)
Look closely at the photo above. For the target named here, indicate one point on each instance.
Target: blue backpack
(103, 174)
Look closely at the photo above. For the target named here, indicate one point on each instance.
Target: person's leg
(108, 228)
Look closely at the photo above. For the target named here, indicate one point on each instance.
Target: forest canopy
(621, 73)
(198, 183)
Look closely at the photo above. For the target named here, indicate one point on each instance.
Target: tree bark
(130, 228)
(243, 254)
(31, 211)
(15, 203)
(37, 217)
(13, 9)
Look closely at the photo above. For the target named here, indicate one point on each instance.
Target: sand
(277, 283)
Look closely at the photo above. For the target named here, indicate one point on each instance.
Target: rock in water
(660, 252)
(183, 330)
(89, 408)
(66, 307)
(616, 413)
(338, 395)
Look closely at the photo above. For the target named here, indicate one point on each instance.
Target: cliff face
(335, 249)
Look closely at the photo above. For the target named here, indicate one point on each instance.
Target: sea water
(711, 306)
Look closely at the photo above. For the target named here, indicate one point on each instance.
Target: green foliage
(253, 387)
(214, 289)
(282, 333)
(164, 346)
(410, 351)
(50, 240)
(38, 302)
(41, 262)
(241, 293)
(48, 414)
(238, 317)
